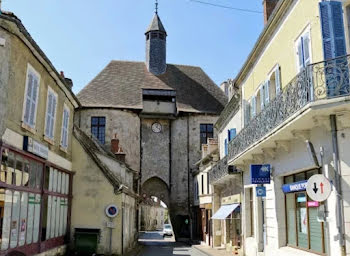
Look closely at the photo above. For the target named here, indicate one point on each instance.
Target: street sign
(294, 187)
(261, 191)
(260, 173)
(318, 188)
(111, 211)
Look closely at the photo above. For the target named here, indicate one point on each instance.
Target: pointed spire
(156, 25)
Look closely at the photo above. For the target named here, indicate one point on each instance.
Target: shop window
(303, 229)
(98, 128)
(206, 132)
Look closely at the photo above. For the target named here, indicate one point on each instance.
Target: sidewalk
(211, 251)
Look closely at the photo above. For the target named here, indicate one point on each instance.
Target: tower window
(98, 128)
(161, 36)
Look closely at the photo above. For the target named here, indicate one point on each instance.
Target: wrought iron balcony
(220, 170)
(318, 81)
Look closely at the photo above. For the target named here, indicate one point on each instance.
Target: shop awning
(225, 211)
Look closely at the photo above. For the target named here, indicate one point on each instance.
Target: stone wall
(4, 76)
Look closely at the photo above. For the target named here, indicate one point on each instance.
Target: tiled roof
(120, 84)
(156, 25)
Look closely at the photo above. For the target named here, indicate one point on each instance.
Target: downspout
(333, 120)
(123, 223)
(170, 167)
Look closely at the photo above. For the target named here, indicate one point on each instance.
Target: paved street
(156, 245)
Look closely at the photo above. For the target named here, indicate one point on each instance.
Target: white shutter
(267, 92)
(278, 80)
(48, 115)
(262, 101)
(306, 49)
(28, 98)
(34, 98)
(300, 54)
(53, 112)
(65, 122)
(253, 107)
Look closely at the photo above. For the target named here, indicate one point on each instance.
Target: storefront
(303, 229)
(35, 199)
(230, 216)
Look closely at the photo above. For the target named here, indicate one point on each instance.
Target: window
(202, 184)
(98, 128)
(253, 107)
(206, 132)
(31, 97)
(303, 229)
(65, 127)
(247, 111)
(208, 184)
(250, 212)
(50, 114)
(231, 134)
(303, 47)
(275, 82)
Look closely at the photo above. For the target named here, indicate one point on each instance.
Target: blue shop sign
(294, 187)
(261, 191)
(260, 173)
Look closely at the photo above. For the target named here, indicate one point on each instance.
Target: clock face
(156, 127)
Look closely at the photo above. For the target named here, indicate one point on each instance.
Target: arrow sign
(318, 188)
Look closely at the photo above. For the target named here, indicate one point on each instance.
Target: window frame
(30, 69)
(50, 90)
(206, 132)
(98, 126)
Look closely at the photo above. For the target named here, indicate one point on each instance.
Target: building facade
(36, 120)
(294, 102)
(162, 113)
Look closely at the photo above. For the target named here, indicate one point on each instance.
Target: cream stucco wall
(281, 47)
(92, 193)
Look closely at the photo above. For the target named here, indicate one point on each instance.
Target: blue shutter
(226, 147)
(332, 29)
(232, 134)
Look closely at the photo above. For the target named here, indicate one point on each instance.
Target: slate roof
(156, 25)
(120, 84)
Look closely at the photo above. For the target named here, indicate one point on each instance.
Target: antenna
(156, 6)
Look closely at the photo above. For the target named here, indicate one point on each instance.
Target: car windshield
(167, 226)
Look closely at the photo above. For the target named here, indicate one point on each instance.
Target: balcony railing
(318, 81)
(219, 170)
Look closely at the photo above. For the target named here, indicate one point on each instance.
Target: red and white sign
(318, 188)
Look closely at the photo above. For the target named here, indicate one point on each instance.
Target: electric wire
(226, 7)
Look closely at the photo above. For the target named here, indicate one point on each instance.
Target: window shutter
(246, 113)
(64, 140)
(267, 92)
(262, 101)
(226, 147)
(48, 115)
(232, 134)
(306, 49)
(278, 80)
(28, 98)
(53, 109)
(300, 54)
(229, 135)
(33, 102)
(332, 24)
(253, 107)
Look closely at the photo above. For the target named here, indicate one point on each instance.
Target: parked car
(167, 230)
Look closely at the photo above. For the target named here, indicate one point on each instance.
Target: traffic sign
(261, 191)
(318, 188)
(112, 211)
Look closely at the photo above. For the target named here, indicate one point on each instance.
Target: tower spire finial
(156, 6)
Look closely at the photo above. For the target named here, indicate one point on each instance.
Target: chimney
(116, 150)
(69, 82)
(269, 7)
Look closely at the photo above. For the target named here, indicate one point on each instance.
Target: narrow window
(251, 210)
(206, 132)
(31, 97)
(202, 184)
(98, 128)
(65, 125)
(50, 114)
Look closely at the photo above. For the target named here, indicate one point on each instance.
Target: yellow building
(295, 90)
(36, 117)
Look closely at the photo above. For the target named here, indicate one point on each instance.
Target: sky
(81, 37)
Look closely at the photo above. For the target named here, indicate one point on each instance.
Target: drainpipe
(333, 120)
(123, 223)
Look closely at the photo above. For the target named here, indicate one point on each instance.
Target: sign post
(318, 188)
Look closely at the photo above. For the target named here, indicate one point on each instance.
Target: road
(155, 245)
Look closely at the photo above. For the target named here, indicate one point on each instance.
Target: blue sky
(82, 36)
